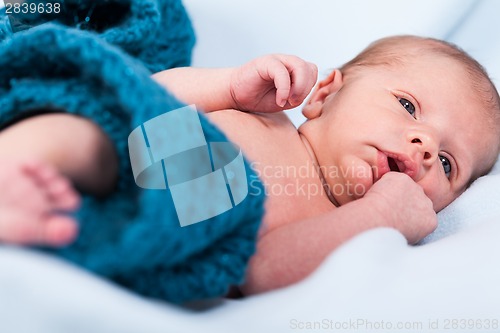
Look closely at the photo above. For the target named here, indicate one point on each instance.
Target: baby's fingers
(302, 83)
(303, 76)
(293, 78)
(278, 73)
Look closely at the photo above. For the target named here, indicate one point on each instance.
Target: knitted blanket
(157, 32)
(132, 237)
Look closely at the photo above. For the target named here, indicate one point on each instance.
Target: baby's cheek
(438, 193)
(441, 199)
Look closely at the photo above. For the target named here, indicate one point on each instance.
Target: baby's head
(415, 105)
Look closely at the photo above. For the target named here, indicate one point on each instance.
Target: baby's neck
(314, 160)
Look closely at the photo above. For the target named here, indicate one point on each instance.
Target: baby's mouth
(399, 163)
(393, 162)
(393, 166)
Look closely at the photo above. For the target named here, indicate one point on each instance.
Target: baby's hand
(403, 205)
(272, 83)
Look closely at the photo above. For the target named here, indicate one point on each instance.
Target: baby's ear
(325, 88)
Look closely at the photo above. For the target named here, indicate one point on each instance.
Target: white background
(331, 32)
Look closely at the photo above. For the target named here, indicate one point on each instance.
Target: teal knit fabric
(157, 32)
(133, 236)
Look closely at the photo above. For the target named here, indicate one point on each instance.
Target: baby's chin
(354, 181)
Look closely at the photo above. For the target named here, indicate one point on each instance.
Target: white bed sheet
(373, 278)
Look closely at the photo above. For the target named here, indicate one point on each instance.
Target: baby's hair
(391, 51)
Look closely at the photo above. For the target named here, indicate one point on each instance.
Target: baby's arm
(207, 88)
(291, 252)
(267, 84)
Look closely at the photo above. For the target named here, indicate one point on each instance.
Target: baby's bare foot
(34, 198)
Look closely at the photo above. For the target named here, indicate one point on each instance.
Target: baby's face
(423, 119)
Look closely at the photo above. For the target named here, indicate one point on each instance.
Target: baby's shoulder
(242, 126)
(261, 136)
(234, 117)
(275, 119)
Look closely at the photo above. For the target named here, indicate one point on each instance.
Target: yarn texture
(133, 236)
(157, 32)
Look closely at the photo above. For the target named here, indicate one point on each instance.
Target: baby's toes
(44, 174)
(62, 195)
(27, 229)
(59, 230)
(59, 190)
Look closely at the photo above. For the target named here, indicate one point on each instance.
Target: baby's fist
(272, 83)
(403, 205)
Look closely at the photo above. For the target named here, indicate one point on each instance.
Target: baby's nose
(427, 151)
(425, 142)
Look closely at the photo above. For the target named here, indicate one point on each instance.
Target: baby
(391, 137)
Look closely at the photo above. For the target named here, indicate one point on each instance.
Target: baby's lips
(410, 168)
(381, 167)
(405, 164)
(402, 162)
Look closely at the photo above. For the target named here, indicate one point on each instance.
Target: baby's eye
(408, 106)
(446, 165)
